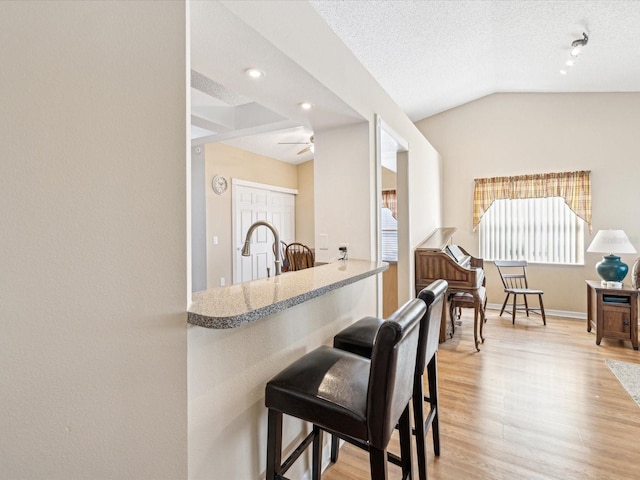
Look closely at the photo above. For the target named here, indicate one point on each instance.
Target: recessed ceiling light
(563, 72)
(254, 73)
(570, 63)
(305, 106)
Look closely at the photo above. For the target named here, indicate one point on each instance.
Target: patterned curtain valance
(574, 187)
(389, 201)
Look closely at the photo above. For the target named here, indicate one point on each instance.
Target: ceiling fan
(304, 150)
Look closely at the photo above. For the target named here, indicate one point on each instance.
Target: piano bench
(460, 300)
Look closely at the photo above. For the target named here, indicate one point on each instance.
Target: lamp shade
(611, 269)
(611, 241)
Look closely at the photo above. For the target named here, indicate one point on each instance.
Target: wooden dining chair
(299, 256)
(514, 279)
(283, 255)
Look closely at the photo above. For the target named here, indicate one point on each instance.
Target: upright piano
(437, 258)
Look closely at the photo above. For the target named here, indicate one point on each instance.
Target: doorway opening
(391, 152)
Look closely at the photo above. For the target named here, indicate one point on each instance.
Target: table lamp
(611, 269)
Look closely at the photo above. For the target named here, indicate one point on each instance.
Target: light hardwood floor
(535, 403)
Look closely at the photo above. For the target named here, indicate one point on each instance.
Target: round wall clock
(219, 184)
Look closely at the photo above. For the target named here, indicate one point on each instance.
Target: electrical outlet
(223, 282)
(215, 240)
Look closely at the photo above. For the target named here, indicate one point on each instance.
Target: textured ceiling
(431, 56)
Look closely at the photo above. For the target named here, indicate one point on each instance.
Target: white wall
(92, 250)
(344, 192)
(198, 220)
(514, 134)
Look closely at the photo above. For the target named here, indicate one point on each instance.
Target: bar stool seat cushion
(327, 387)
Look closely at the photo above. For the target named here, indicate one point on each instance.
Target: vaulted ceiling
(431, 56)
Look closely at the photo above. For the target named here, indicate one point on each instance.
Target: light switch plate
(324, 241)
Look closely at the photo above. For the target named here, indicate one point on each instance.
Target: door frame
(402, 191)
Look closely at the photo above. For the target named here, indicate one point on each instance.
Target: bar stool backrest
(393, 363)
(433, 297)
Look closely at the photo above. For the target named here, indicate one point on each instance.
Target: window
(541, 230)
(389, 236)
(539, 218)
(389, 226)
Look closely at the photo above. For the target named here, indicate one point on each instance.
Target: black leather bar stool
(357, 399)
(359, 338)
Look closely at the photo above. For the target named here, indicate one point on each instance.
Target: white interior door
(252, 202)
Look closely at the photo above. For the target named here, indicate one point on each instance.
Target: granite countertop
(233, 306)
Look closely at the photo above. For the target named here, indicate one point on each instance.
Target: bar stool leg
(316, 467)
(405, 443)
(418, 420)
(274, 445)
(334, 448)
(378, 463)
(432, 373)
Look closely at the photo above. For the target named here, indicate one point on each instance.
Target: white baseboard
(555, 313)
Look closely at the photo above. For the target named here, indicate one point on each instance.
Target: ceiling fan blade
(304, 150)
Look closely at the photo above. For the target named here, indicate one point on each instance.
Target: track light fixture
(576, 49)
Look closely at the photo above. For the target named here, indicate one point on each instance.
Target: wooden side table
(613, 312)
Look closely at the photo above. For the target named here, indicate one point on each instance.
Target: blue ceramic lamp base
(611, 268)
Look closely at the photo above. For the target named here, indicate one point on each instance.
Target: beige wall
(305, 208)
(389, 181)
(93, 282)
(232, 162)
(390, 276)
(513, 134)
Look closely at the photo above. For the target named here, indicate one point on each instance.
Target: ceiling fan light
(305, 106)
(570, 63)
(563, 72)
(575, 51)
